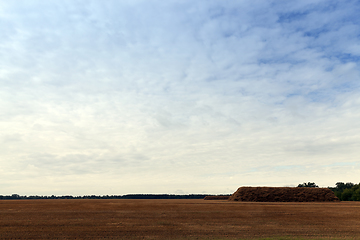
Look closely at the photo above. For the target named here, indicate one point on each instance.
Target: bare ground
(176, 219)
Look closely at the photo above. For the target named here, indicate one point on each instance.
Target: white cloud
(152, 96)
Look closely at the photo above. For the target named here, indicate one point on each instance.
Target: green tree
(340, 186)
(347, 194)
(356, 192)
(309, 184)
(346, 191)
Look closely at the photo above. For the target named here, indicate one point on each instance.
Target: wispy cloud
(151, 96)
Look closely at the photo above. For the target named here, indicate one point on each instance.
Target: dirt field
(176, 219)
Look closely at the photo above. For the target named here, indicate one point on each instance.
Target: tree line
(347, 191)
(128, 196)
(344, 191)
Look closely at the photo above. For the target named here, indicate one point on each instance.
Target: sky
(180, 97)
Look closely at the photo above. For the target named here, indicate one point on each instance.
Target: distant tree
(15, 196)
(347, 194)
(309, 184)
(347, 191)
(340, 186)
(356, 193)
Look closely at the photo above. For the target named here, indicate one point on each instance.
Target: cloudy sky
(151, 96)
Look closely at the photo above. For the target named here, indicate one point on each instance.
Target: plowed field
(176, 219)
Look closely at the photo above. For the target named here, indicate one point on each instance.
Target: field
(177, 219)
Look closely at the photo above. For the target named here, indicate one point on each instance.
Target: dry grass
(177, 219)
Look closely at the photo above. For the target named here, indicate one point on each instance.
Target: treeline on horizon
(127, 196)
(344, 191)
(347, 191)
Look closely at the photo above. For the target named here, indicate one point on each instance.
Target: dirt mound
(220, 197)
(283, 194)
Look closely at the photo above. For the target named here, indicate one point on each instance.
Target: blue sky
(116, 97)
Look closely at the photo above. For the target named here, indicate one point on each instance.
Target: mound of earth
(283, 194)
(220, 197)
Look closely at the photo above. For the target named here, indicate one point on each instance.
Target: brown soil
(283, 194)
(216, 198)
(176, 219)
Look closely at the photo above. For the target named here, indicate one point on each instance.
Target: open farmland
(176, 219)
